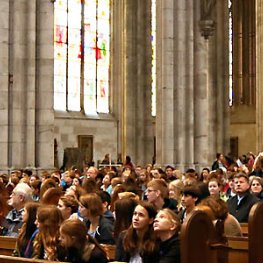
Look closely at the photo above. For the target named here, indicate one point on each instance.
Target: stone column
(5, 81)
(45, 85)
(259, 75)
(166, 58)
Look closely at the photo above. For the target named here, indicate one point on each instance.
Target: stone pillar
(166, 57)
(5, 81)
(259, 75)
(134, 82)
(44, 85)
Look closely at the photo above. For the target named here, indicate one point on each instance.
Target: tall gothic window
(82, 56)
(242, 17)
(153, 57)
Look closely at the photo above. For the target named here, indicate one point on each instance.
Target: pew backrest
(7, 245)
(10, 259)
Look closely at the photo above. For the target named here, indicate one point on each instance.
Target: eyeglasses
(149, 190)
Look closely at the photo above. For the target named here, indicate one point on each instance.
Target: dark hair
(191, 190)
(104, 196)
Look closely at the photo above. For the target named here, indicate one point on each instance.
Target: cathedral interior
(164, 81)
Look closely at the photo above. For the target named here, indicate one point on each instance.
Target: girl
(99, 227)
(28, 231)
(77, 246)
(48, 221)
(167, 226)
(138, 243)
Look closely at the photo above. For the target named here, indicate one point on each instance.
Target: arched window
(82, 56)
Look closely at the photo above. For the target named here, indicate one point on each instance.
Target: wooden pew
(201, 243)
(244, 229)
(237, 249)
(7, 245)
(9, 259)
(255, 227)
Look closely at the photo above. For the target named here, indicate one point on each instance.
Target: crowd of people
(68, 216)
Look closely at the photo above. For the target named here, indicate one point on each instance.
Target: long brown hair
(49, 218)
(28, 227)
(131, 243)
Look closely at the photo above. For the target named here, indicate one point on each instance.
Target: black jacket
(241, 211)
(169, 251)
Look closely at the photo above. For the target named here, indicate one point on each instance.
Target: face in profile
(65, 240)
(140, 218)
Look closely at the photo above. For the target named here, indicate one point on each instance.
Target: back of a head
(217, 205)
(49, 216)
(51, 196)
(76, 230)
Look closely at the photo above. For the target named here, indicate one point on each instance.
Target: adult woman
(28, 231)
(77, 246)
(99, 227)
(138, 243)
(256, 186)
(167, 226)
(46, 242)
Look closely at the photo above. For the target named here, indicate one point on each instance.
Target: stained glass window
(153, 57)
(82, 55)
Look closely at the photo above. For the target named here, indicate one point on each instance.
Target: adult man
(157, 194)
(21, 194)
(240, 204)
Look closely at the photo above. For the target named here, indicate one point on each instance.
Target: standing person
(240, 204)
(28, 231)
(48, 221)
(219, 162)
(21, 194)
(138, 243)
(77, 246)
(167, 226)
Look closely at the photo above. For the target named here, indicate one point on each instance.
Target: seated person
(99, 227)
(157, 193)
(239, 205)
(167, 226)
(190, 196)
(21, 194)
(77, 246)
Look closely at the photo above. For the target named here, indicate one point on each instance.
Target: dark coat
(73, 255)
(104, 232)
(241, 211)
(169, 251)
